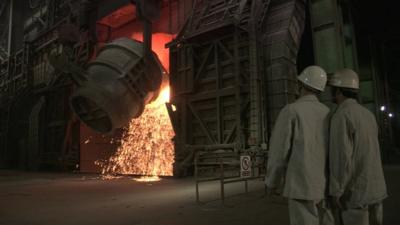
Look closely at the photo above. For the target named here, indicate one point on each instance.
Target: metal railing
(228, 163)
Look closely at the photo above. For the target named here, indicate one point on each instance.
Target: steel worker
(298, 152)
(356, 175)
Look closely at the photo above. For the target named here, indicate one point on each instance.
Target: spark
(146, 146)
(173, 108)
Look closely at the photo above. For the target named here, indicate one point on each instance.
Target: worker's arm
(340, 151)
(280, 147)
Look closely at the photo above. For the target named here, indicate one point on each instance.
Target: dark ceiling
(376, 17)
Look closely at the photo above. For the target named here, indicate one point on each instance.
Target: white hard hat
(314, 77)
(345, 78)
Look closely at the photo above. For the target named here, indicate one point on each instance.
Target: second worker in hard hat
(356, 175)
(298, 152)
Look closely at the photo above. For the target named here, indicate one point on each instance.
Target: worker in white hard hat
(356, 178)
(298, 152)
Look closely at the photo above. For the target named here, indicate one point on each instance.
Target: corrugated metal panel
(285, 25)
(209, 84)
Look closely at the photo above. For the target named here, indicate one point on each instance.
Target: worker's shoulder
(362, 110)
(323, 107)
(355, 110)
(315, 105)
(288, 108)
(344, 111)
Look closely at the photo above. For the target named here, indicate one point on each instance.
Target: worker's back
(305, 173)
(366, 180)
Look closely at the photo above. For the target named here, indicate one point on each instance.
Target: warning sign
(245, 166)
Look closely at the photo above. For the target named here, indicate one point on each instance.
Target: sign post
(245, 166)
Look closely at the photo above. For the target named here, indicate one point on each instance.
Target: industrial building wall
(284, 31)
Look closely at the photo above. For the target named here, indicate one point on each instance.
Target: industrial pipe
(10, 27)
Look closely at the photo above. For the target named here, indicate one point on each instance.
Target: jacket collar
(308, 98)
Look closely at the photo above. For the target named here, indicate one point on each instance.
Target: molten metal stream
(146, 146)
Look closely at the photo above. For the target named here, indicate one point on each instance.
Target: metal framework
(26, 77)
(5, 21)
(233, 67)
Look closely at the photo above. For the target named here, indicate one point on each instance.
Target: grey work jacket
(355, 164)
(298, 150)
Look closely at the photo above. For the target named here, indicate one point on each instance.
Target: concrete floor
(44, 198)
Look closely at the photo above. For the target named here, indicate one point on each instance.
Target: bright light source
(390, 115)
(147, 179)
(164, 94)
(173, 108)
(383, 108)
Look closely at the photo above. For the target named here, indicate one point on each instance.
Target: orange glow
(158, 46)
(119, 17)
(146, 146)
(147, 179)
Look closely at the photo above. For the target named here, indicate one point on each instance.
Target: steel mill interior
(161, 112)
